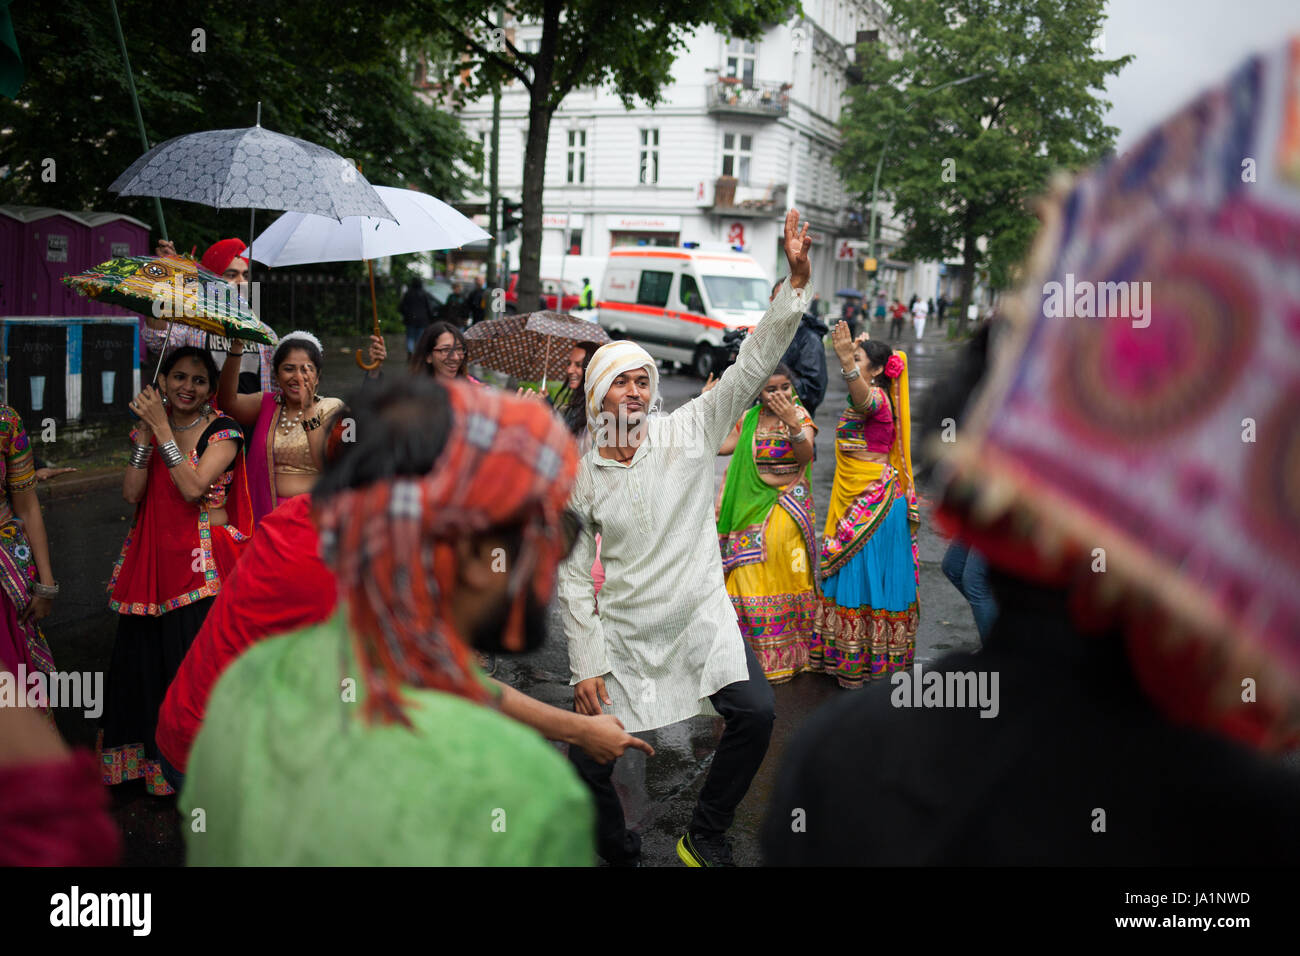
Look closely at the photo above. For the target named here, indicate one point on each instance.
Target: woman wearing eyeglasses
(440, 353)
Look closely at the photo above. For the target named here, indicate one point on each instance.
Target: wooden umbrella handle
(374, 310)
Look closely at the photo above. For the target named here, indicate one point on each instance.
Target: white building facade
(744, 131)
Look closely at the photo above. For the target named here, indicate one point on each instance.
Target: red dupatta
(172, 556)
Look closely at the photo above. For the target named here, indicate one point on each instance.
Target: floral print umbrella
(175, 288)
(532, 346)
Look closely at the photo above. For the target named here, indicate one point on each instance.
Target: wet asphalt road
(86, 529)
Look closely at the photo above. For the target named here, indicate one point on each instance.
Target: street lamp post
(880, 163)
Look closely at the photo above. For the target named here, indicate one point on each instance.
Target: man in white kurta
(666, 644)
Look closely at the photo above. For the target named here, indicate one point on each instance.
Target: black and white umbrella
(253, 168)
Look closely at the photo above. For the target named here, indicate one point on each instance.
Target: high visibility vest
(587, 299)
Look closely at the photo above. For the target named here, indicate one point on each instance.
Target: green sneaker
(704, 851)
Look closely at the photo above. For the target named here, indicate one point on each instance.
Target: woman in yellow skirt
(766, 528)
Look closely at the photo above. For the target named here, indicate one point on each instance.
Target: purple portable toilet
(57, 243)
(113, 235)
(38, 246)
(11, 232)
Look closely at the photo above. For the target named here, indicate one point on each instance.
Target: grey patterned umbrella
(253, 168)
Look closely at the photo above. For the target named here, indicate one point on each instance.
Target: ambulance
(679, 303)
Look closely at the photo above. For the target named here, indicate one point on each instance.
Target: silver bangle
(45, 590)
(799, 436)
(171, 454)
(850, 376)
(140, 455)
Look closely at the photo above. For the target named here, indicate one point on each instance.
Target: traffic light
(512, 214)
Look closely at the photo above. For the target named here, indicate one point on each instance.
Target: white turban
(608, 363)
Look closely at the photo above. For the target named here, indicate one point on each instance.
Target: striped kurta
(666, 637)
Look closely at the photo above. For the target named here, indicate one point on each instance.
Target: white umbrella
(423, 224)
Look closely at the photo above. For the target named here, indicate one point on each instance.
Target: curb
(70, 485)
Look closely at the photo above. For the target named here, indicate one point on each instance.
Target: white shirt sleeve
(577, 594)
(715, 412)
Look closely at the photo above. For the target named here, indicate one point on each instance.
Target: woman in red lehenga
(187, 474)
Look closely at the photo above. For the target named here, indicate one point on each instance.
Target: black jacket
(1073, 734)
(417, 307)
(806, 357)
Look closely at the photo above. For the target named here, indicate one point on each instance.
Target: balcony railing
(730, 95)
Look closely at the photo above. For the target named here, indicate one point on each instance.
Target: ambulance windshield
(738, 292)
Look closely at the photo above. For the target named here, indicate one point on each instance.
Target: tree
(332, 76)
(628, 44)
(964, 163)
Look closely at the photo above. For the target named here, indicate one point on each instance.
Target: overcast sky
(1180, 47)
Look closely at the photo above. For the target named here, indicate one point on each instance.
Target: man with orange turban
(223, 258)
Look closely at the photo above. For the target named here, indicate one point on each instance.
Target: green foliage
(331, 74)
(1038, 109)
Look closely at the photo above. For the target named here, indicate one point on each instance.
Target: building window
(737, 149)
(649, 156)
(575, 242)
(577, 156)
(740, 60)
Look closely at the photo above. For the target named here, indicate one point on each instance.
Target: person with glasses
(441, 353)
(282, 585)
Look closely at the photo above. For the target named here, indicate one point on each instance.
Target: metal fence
(326, 304)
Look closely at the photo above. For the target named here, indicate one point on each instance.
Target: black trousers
(749, 708)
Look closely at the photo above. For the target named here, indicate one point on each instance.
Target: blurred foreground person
(372, 738)
(1129, 471)
(53, 808)
(280, 585)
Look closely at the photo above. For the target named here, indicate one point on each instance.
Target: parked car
(550, 293)
(682, 304)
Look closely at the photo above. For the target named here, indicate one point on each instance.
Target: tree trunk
(530, 250)
(969, 261)
(540, 112)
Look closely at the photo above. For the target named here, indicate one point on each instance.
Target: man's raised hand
(797, 245)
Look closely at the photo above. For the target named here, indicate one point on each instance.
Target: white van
(679, 302)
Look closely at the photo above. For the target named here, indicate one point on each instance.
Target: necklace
(184, 428)
(287, 424)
